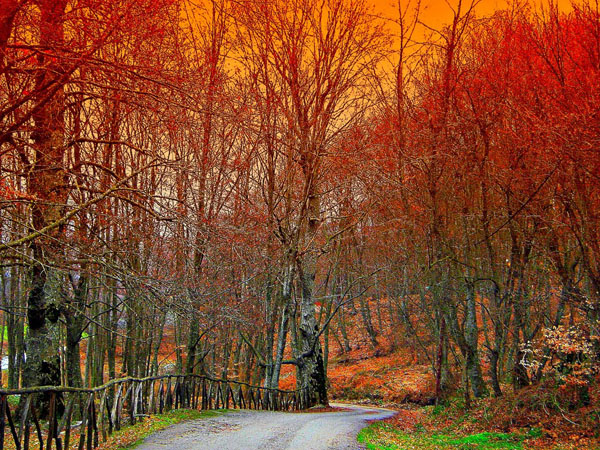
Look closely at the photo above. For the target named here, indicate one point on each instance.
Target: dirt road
(264, 430)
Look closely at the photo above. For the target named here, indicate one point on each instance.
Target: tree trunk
(192, 347)
(342, 325)
(286, 298)
(14, 330)
(440, 360)
(311, 365)
(270, 318)
(157, 343)
(494, 357)
(74, 323)
(47, 182)
(365, 313)
(471, 339)
(520, 377)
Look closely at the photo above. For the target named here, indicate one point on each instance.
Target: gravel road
(265, 430)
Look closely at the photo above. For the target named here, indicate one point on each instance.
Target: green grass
(382, 436)
(4, 332)
(13, 400)
(130, 437)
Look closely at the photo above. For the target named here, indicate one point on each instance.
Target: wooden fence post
(140, 397)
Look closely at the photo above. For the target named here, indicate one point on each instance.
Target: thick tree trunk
(311, 367)
(471, 339)
(500, 314)
(73, 361)
(42, 366)
(74, 322)
(47, 184)
(467, 341)
(311, 364)
(494, 357)
(192, 347)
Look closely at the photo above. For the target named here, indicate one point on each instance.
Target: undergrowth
(384, 436)
(538, 417)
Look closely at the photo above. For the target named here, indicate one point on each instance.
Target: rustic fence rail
(86, 417)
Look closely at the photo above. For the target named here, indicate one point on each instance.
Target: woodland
(250, 189)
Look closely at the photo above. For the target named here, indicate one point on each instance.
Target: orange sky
(437, 12)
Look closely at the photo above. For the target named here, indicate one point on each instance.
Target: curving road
(265, 430)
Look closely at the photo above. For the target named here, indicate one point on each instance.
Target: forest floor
(267, 430)
(397, 374)
(490, 424)
(540, 417)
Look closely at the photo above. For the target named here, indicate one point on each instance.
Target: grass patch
(13, 400)
(4, 333)
(383, 436)
(130, 437)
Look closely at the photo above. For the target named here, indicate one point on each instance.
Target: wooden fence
(87, 416)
